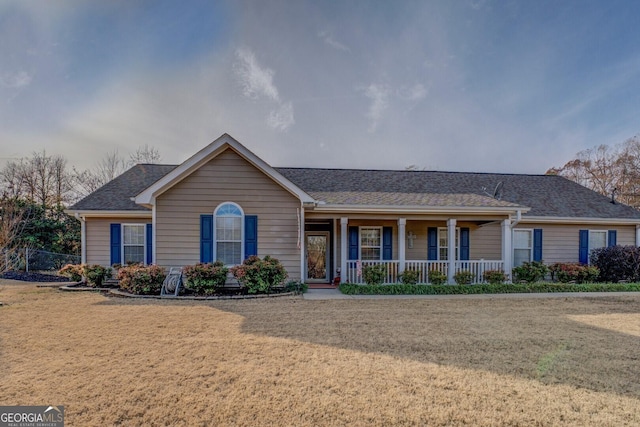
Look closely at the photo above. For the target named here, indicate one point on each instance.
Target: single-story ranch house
(225, 203)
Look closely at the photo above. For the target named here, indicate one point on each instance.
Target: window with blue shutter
(353, 242)
(116, 244)
(583, 251)
(465, 244)
(387, 243)
(250, 235)
(537, 244)
(149, 242)
(432, 243)
(206, 238)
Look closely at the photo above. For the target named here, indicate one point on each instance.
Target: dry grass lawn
(288, 361)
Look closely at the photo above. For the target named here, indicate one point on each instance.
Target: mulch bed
(33, 277)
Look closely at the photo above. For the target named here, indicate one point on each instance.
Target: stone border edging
(119, 293)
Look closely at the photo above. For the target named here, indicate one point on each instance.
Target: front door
(317, 249)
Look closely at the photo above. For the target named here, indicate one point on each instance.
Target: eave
(107, 214)
(579, 220)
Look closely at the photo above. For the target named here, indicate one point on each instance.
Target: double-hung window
(443, 244)
(522, 247)
(597, 239)
(371, 243)
(228, 233)
(133, 243)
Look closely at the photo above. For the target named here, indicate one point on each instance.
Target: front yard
(289, 361)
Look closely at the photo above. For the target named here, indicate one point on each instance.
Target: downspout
(83, 238)
(518, 218)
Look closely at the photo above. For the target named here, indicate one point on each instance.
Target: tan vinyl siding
(486, 242)
(227, 178)
(98, 238)
(560, 243)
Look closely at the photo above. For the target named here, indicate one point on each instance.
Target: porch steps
(321, 286)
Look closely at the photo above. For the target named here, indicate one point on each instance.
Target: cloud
(16, 80)
(255, 80)
(379, 96)
(282, 118)
(413, 93)
(328, 39)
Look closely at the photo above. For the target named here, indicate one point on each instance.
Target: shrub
(409, 277)
(96, 274)
(530, 272)
(374, 274)
(259, 275)
(463, 277)
(205, 278)
(494, 277)
(617, 263)
(437, 277)
(574, 272)
(296, 286)
(140, 280)
(73, 271)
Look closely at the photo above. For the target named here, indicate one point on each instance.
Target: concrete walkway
(332, 294)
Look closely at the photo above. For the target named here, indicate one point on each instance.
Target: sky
(452, 85)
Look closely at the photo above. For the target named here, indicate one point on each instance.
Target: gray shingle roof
(546, 195)
(116, 194)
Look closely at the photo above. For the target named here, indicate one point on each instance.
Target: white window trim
(457, 238)
(215, 237)
(144, 245)
(513, 243)
(360, 241)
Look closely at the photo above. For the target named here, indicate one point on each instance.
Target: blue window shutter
(583, 254)
(206, 238)
(149, 248)
(613, 237)
(537, 244)
(464, 244)
(250, 235)
(116, 244)
(432, 243)
(353, 242)
(387, 243)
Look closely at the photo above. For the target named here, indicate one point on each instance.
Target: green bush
(205, 278)
(259, 275)
(530, 272)
(617, 263)
(140, 280)
(574, 272)
(409, 277)
(464, 277)
(296, 286)
(494, 277)
(437, 277)
(374, 274)
(73, 271)
(485, 288)
(96, 274)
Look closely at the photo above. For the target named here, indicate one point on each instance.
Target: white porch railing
(477, 267)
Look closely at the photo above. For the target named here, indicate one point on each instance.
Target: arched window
(229, 234)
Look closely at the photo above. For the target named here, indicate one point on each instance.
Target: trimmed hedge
(505, 288)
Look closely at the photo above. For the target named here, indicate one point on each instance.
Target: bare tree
(144, 154)
(609, 171)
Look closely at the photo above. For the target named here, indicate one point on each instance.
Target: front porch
(353, 271)
(341, 248)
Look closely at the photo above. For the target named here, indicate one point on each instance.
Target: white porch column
(302, 245)
(83, 239)
(402, 224)
(506, 246)
(343, 248)
(637, 235)
(451, 249)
